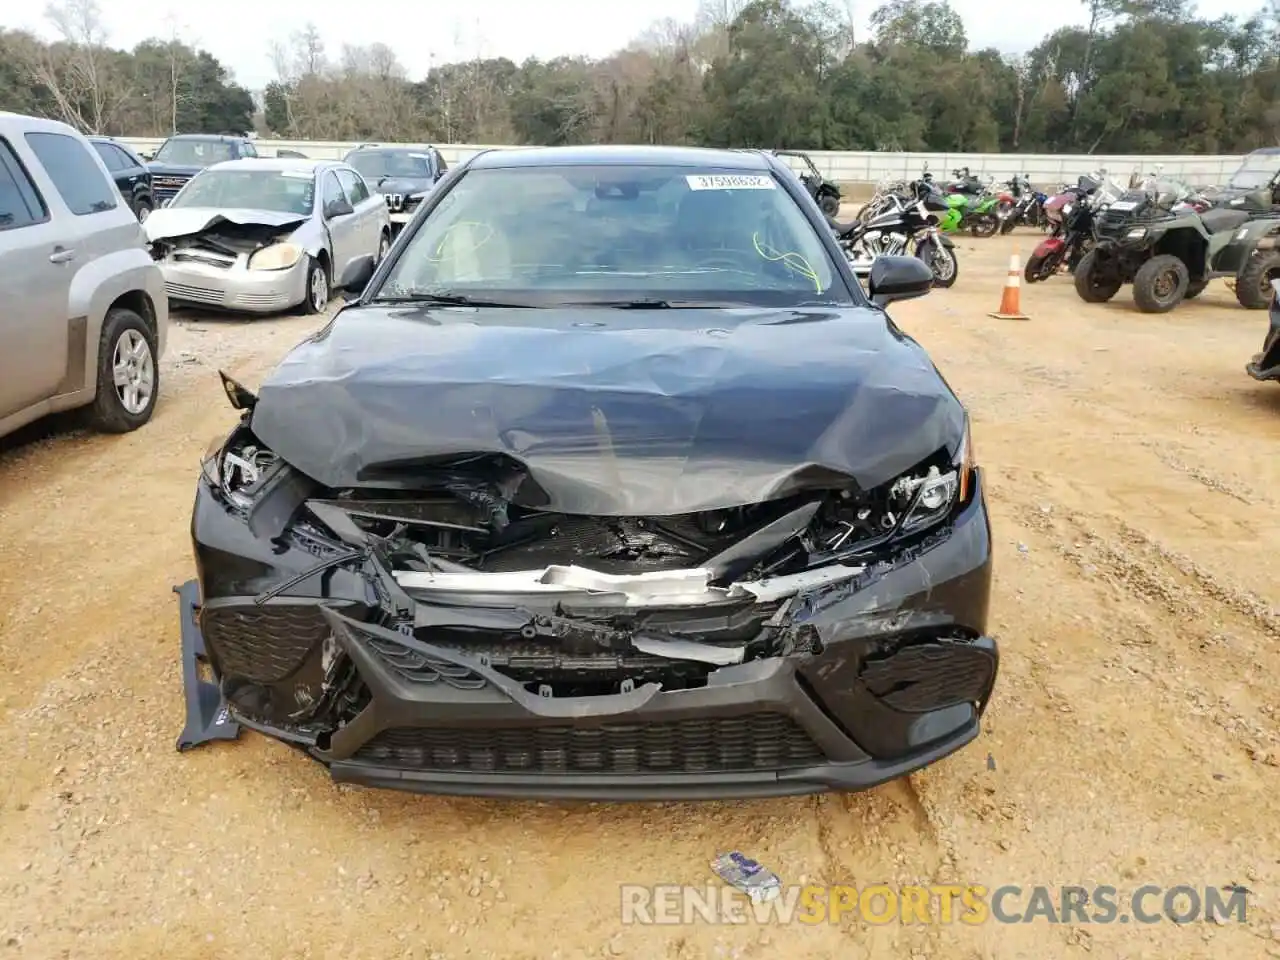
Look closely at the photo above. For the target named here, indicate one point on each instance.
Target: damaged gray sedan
(612, 482)
(265, 235)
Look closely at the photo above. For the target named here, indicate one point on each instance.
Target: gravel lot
(1133, 737)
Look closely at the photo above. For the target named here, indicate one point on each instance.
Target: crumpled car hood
(613, 412)
(168, 223)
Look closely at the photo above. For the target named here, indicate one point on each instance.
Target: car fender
(101, 282)
(313, 237)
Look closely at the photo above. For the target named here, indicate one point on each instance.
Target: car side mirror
(337, 208)
(146, 155)
(356, 277)
(898, 278)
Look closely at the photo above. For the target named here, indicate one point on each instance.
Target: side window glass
(108, 155)
(247, 149)
(20, 203)
(126, 162)
(357, 191)
(78, 179)
(331, 191)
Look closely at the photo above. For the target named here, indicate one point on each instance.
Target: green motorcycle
(977, 214)
(971, 205)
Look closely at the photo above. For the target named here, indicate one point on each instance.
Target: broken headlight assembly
(915, 502)
(235, 465)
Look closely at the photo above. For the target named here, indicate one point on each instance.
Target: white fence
(871, 167)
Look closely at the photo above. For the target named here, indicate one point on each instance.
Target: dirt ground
(1133, 737)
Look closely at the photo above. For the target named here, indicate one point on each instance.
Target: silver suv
(85, 315)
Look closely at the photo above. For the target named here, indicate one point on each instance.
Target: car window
(247, 149)
(77, 178)
(280, 191)
(108, 155)
(441, 166)
(331, 191)
(194, 153)
(357, 190)
(127, 162)
(20, 202)
(391, 163)
(581, 234)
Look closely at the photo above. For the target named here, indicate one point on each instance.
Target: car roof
(205, 136)
(622, 155)
(389, 148)
(35, 124)
(281, 164)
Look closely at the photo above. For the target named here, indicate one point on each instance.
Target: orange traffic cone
(1011, 296)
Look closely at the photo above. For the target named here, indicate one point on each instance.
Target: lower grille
(166, 188)
(754, 743)
(260, 301)
(262, 644)
(185, 291)
(924, 677)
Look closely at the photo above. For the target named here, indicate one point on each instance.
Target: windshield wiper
(447, 300)
(655, 303)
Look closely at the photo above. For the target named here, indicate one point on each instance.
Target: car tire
(315, 298)
(142, 210)
(1160, 284)
(1089, 287)
(1253, 285)
(829, 205)
(128, 377)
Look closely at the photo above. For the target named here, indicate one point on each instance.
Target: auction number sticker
(724, 181)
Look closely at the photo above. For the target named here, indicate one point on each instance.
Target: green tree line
(1140, 76)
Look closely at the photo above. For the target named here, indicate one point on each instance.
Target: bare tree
(76, 71)
(178, 58)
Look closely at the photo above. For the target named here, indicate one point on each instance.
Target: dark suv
(403, 175)
(130, 173)
(180, 158)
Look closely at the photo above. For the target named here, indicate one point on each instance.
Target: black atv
(1169, 252)
(826, 193)
(1266, 365)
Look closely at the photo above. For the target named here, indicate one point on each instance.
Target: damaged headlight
(916, 501)
(235, 464)
(278, 256)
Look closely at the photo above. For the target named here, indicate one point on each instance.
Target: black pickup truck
(181, 157)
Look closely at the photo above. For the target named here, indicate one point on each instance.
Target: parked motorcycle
(1028, 206)
(1072, 214)
(905, 228)
(974, 204)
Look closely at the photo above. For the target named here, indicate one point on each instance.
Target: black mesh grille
(930, 676)
(753, 743)
(264, 644)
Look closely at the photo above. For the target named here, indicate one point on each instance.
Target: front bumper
(899, 678)
(235, 288)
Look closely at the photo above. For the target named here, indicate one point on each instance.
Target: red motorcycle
(1070, 214)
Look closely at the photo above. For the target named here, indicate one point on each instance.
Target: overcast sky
(238, 32)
